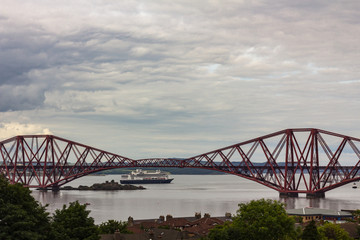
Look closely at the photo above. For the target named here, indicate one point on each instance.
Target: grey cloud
(18, 58)
(198, 68)
(17, 98)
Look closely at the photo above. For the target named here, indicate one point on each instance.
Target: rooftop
(307, 211)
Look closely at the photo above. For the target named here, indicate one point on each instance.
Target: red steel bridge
(291, 161)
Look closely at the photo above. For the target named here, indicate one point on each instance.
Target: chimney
(130, 222)
(228, 215)
(168, 217)
(206, 215)
(117, 235)
(198, 215)
(162, 218)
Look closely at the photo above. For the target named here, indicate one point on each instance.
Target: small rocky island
(108, 186)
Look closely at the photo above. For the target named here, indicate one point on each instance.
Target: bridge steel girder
(45, 161)
(312, 167)
(283, 161)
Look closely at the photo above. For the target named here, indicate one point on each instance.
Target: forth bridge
(292, 161)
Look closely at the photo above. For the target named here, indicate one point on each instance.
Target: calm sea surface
(187, 194)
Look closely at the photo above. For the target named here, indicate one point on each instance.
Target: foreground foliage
(21, 216)
(333, 231)
(111, 226)
(261, 219)
(311, 232)
(73, 223)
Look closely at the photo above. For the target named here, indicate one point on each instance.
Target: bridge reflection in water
(291, 161)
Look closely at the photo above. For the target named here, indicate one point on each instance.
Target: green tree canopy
(21, 216)
(356, 215)
(333, 231)
(311, 232)
(264, 219)
(112, 225)
(260, 219)
(74, 223)
(220, 232)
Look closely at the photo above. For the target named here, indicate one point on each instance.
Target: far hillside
(178, 171)
(172, 171)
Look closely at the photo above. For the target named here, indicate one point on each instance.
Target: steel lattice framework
(291, 161)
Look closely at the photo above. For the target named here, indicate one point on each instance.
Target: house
(307, 214)
(154, 234)
(169, 227)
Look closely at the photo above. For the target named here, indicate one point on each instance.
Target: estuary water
(187, 194)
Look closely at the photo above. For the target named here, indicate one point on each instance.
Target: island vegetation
(108, 186)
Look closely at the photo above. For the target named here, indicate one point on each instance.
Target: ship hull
(146, 181)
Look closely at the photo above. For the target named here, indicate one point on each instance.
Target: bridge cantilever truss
(291, 161)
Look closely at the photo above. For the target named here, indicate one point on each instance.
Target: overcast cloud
(177, 78)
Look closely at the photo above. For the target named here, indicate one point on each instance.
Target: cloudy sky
(177, 78)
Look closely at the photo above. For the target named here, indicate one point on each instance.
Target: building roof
(208, 221)
(203, 225)
(318, 211)
(155, 234)
(191, 225)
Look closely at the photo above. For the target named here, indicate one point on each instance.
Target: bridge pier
(55, 188)
(316, 195)
(288, 194)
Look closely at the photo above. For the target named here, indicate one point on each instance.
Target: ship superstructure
(140, 176)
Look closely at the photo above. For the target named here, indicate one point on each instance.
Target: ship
(140, 176)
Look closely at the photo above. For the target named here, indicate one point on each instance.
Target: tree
(333, 231)
(74, 223)
(260, 219)
(311, 232)
(356, 215)
(112, 225)
(220, 232)
(21, 216)
(264, 219)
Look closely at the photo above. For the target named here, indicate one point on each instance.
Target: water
(187, 194)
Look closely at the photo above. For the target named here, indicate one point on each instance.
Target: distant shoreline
(172, 171)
